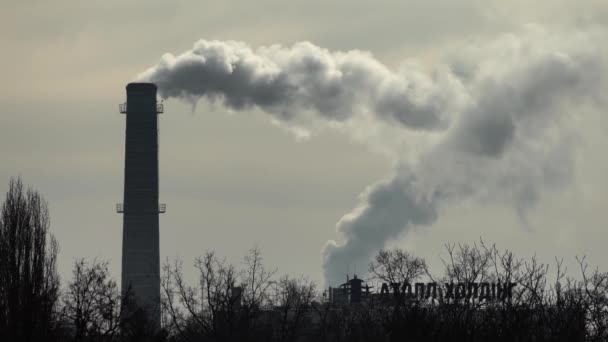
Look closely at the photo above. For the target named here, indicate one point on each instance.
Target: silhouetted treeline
(261, 308)
(29, 284)
(251, 302)
(33, 306)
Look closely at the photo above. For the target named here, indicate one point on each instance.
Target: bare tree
(92, 302)
(396, 266)
(468, 263)
(594, 286)
(256, 280)
(207, 309)
(248, 304)
(29, 283)
(224, 305)
(294, 301)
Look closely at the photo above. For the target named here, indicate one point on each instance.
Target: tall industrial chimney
(140, 209)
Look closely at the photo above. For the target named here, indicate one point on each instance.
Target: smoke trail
(500, 117)
(287, 82)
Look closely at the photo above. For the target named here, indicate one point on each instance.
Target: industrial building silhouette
(140, 209)
(353, 291)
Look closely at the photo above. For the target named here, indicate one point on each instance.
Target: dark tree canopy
(29, 284)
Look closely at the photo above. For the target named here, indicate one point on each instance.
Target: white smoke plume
(288, 82)
(498, 118)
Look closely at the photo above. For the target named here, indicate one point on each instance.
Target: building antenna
(347, 271)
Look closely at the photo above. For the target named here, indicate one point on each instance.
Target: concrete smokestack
(140, 239)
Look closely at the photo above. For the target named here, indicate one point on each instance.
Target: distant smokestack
(140, 239)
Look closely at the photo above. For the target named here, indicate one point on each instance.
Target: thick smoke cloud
(286, 82)
(501, 118)
(510, 142)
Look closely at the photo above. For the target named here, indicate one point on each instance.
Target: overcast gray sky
(235, 180)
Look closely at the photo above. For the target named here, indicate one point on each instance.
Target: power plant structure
(140, 207)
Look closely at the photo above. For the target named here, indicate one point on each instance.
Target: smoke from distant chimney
(491, 122)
